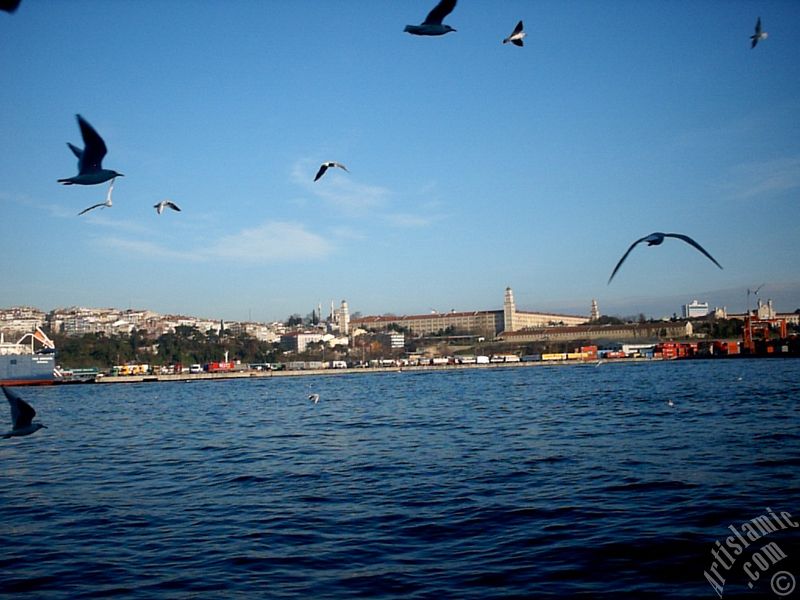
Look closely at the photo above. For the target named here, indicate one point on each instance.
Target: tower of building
(344, 319)
(595, 314)
(509, 311)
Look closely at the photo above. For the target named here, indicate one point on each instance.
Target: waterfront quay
(251, 374)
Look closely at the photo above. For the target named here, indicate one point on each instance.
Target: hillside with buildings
(105, 336)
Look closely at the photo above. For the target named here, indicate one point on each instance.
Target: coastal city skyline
(787, 297)
(473, 165)
(79, 320)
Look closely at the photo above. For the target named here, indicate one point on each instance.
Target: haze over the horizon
(473, 165)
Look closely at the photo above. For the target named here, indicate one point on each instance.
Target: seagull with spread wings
(328, 165)
(516, 36)
(432, 25)
(758, 35)
(90, 159)
(22, 415)
(656, 239)
(166, 204)
(106, 204)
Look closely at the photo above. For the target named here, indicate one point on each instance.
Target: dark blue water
(543, 482)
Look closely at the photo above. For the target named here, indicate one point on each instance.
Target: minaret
(595, 315)
(344, 319)
(509, 311)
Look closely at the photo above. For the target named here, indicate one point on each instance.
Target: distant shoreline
(190, 377)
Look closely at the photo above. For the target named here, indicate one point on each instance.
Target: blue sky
(473, 165)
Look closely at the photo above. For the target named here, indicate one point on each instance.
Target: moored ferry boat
(22, 363)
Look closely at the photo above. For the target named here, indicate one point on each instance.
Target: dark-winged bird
(758, 35)
(22, 414)
(656, 239)
(325, 166)
(107, 204)
(432, 25)
(9, 5)
(516, 35)
(166, 204)
(90, 159)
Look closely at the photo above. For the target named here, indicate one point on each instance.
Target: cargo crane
(756, 329)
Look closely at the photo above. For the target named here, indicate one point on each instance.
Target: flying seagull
(325, 166)
(9, 5)
(516, 35)
(166, 204)
(432, 25)
(758, 35)
(656, 239)
(22, 414)
(106, 204)
(314, 398)
(90, 159)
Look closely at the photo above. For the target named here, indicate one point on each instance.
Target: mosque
(488, 323)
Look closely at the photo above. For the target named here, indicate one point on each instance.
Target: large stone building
(514, 320)
(764, 310)
(695, 309)
(298, 341)
(488, 323)
(667, 330)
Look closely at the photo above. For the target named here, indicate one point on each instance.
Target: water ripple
(510, 483)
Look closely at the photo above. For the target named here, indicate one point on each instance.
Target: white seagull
(90, 159)
(166, 204)
(758, 35)
(106, 204)
(670, 403)
(22, 414)
(657, 238)
(516, 35)
(432, 25)
(325, 166)
(314, 398)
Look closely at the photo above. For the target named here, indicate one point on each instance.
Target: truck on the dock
(219, 367)
(504, 358)
(123, 370)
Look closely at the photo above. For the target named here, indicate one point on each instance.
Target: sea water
(527, 482)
